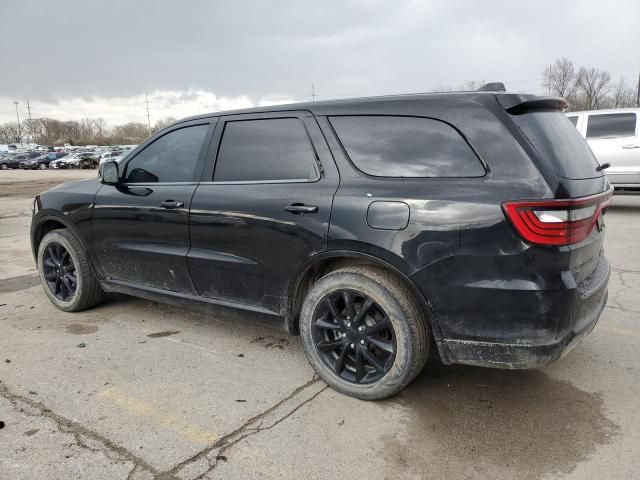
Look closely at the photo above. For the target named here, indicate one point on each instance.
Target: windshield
(558, 143)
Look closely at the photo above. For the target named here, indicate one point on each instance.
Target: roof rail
(492, 87)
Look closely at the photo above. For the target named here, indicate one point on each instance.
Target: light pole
(18, 117)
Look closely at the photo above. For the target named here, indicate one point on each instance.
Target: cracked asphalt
(138, 390)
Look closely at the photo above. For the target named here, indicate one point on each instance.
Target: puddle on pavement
(15, 284)
(81, 329)
(467, 421)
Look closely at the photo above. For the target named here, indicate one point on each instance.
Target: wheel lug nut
(361, 329)
(348, 324)
(353, 346)
(361, 342)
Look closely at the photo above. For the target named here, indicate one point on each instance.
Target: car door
(141, 225)
(262, 208)
(613, 137)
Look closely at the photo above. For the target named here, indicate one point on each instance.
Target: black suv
(376, 228)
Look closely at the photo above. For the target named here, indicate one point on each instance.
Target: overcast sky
(75, 59)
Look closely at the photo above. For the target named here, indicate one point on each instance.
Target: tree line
(588, 88)
(88, 131)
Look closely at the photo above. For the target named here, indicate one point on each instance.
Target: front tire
(65, 272)
(42, 166)
(363, 332)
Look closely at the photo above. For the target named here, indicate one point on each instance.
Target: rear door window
(394, 146)
(611, 125)
(263, 150)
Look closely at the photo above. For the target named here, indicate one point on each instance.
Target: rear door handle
(171, 204)
(301, 208)
(630, 146)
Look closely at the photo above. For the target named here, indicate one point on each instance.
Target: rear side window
(391, 146)
(171, 158)
(574, 120)
(273, 149)
(611, 125)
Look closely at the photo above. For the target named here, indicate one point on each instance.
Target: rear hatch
(583, 192)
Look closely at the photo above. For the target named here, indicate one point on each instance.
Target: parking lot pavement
(141, 390)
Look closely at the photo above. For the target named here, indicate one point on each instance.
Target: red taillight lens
(556, 222)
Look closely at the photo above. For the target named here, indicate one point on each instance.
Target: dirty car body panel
(493, 297)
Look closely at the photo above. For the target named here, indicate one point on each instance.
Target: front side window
(171, 158)
(389, 146)
(611, 125)
(272, 149)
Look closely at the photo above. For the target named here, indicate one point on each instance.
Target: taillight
(556, 222)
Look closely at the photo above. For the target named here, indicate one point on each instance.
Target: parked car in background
(13, 160)
(88, 159)
(71, 160)
(614, 137)
(42, 162)
(106, 156)
(376, 228)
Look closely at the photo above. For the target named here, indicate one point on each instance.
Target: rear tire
(392, 301)
(87, 292)
(42, 166)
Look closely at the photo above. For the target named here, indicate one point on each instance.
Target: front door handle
(171, 204)
(301, 208)
(631, 146)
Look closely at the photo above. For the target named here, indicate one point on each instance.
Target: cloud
(117, 110)
(56, 53)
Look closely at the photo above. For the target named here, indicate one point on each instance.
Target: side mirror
(110, 174)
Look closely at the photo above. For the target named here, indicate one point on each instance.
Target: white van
(614, 137)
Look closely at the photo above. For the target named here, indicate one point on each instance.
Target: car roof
(327, 107)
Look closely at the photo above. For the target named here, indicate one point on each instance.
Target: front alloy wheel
(60, 272)
(354, 336)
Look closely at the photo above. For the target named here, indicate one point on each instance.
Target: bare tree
(466, 86)
(10, 133)
(160, 124)
(100, 126)
(594, 86)
(623, 95)
(560, 78)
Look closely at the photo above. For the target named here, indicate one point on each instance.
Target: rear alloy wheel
(4, 166)
(65, 273)
(354, 336)
(363, 332)
(42, 166)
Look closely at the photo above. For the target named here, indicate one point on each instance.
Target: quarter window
(388, 146)
(574, 120)
(265, 150)
(171, 158)
(611, 125)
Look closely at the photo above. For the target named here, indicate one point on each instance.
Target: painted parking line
(143, 408)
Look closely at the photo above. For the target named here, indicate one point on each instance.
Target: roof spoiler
(492, 87)
(515, 103)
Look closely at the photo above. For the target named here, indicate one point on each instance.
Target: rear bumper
(578, 313)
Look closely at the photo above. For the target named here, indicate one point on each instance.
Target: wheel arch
(322, 263)
(45, 224)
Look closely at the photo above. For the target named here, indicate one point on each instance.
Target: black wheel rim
(354, 336)
(59, 272)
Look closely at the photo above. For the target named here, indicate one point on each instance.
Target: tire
(42, 166)
(88, 292)
(4, 166)
(410, 328)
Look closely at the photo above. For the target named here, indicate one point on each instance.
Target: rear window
(611, 125)
(393, 146)
(558, 143)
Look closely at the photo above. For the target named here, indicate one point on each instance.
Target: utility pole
(146, 100)
(313, 94)
(18, 117)
(30, 124)
(638, 92)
